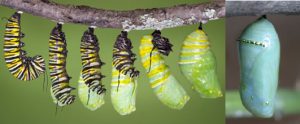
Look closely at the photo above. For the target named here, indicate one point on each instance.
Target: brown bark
(139, 19)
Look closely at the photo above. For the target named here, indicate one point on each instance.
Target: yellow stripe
(160, 81)
(184, 54)
(195, 46)
(123, 81)
(157, 70)
(154, 59)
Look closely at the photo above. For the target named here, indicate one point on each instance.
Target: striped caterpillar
(165, 86)
(124, 75)
(22, 67)
(60, 89)
(259, 55)
(90, 89)
(198, 64)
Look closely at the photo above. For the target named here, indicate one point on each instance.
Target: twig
(139, 19)
(287, 103)
(256, 8)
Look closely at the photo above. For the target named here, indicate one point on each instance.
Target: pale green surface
(168, 90)
(123, 95)
(201, 72)
(94, 102)
(25, 102)
(172, 94)
(259, 67)
(286, 103)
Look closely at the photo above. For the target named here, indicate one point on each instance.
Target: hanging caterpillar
(259, 54)
(22, 67)
(198, 64)
(124, 75)
(60, 89)
(90, 89)
(166, 87)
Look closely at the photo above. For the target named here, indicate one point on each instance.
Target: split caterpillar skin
(165, 86)
(90, 89)
(22, 67)
(60, 90)
(198, 64)
(124, 82)
(259, 55)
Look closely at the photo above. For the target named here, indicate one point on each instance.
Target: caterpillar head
(161, 43)
(57, 31)
(123, 42)
(16, 16)
(89, 36)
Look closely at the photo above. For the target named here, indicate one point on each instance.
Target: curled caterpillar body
(165, 86)
(198, 64)
(259, 55)
(60, 90)
(124, 75)
(91, 93)
(22, 67)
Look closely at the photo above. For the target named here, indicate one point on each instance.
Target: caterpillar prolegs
(22, 67)
(90, 89)
(60, 90)
(124, 82)
(198, 64)
(165, 86)
(259, 55)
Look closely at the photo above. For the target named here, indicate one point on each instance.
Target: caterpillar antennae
(44, 82)
(62, 108)
(133, 87)
(56, 107)
(150, 59)
(89, 95)
(47, 84)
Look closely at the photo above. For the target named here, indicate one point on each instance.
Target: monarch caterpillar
(198, 64)
(90, 89)
(60, 89)
(259, 54)
(22, 67)
(124, 75)
(165, 86)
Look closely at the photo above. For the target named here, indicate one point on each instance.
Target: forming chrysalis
(90, 88)
(124, 76)
(198, 64)
(165, 86)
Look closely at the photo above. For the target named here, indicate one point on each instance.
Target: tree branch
(256, 8)
(287, 103)
(139, 19)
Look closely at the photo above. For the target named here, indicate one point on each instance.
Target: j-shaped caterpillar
(198, 64)
(90, 89)
(21, 66)
(124, 76)
(165, 86)
(259, 52)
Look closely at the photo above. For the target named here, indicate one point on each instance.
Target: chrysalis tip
(92, 26)
(61, 23)
(20, 12)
